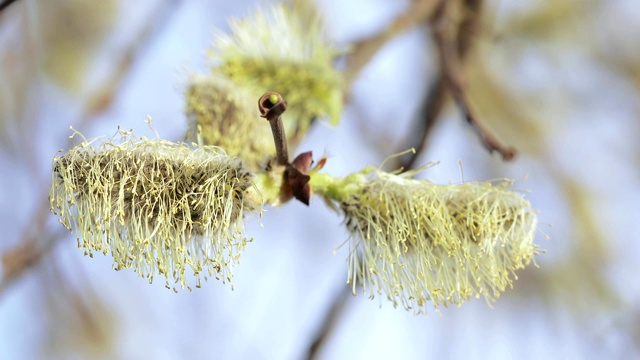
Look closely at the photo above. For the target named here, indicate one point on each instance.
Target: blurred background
(559, 80)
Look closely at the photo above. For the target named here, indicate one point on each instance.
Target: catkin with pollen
(226, 115)
(284, 49)
(416, 241)
(156, 206)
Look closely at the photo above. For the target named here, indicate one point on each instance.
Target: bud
(158, 207)
(284, 49)
(226, 115)
(416, 241)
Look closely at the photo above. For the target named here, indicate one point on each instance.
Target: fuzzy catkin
(416, 241)
(283, 49)
(156, 206)
(226, 115)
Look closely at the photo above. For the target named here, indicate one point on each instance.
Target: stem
(268, 184)
(271, 106)
(335, 188)
(280, 139)
(295, 178)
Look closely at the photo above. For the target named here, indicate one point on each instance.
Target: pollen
(157, 207)
(225, 115)
(284, 48)
(418, 242)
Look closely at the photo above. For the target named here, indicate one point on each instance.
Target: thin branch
(419, 12)
(431, 109)
(469, 27)
(5, 4)
(329, 322)
(450, 62)
(30, 250)
(437, 96)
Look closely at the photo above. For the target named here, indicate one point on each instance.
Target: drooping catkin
(284, 49)
(416, 241)
(156, 206)
(226, 115)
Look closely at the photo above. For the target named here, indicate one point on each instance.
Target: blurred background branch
(5, 4)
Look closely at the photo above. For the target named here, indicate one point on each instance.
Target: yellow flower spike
(227, 116)
(158, 207)
(416, 241)
(284, 49)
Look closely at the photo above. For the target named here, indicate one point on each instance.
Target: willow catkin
(226, 115)
(284, 49)
(416, 241)
(156, 206)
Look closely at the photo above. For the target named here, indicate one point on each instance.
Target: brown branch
(419, 12)
(450, 62)
(329, 322)
(431, 109)
(5, 4)
(437, 96)
(469, 27)
(30, 250)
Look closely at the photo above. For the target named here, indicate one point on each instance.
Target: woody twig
(450, 61)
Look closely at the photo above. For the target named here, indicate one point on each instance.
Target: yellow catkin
(284, 49)
(416, 241)
(226, 115)
(156, 206)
